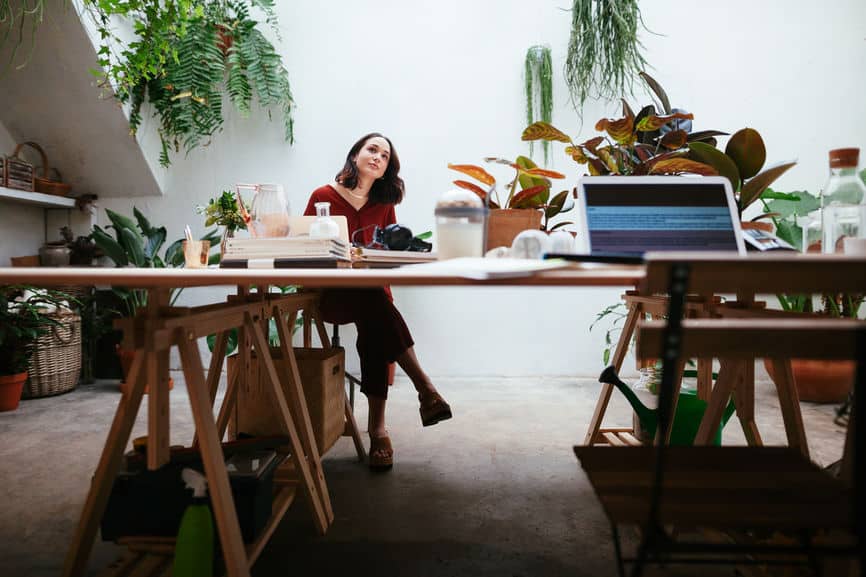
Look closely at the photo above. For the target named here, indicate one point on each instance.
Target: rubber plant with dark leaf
(185, 55)
(658, 140)
(529, 189)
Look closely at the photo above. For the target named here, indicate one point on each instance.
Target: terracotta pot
(11, 387)
(126, 358)
(820, 381)
(503, 224)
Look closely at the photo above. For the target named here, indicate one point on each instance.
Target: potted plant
(820, 381)
(659, 140)
(528, 204)
(227, 210)
(136, 242)
(184, 57)
(22, 321)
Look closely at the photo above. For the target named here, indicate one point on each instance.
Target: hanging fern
(187, 53)
(538, 78)
(604, 53)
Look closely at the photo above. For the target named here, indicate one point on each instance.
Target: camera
(399, 237)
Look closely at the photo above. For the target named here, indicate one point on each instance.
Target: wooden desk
(158, 327)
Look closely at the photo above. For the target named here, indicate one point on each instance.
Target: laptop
(628, 216)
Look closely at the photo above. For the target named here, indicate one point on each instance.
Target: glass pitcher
(269, 212)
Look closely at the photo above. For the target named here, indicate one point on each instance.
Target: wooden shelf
(36, 198)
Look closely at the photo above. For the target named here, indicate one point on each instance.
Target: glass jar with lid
(324, 226)
(843, 205)
(461, 224)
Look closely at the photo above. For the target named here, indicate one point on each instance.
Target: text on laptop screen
(640, 217)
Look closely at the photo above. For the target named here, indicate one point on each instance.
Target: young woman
(365, 192)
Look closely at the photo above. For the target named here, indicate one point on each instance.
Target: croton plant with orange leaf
(661, 143)
(533, 193)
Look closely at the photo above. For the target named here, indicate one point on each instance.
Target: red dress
(382, 332)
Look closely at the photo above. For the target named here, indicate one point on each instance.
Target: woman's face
(372, 159)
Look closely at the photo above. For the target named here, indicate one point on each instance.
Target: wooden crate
(323, 378)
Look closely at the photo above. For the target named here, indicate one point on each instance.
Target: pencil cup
(195, 253)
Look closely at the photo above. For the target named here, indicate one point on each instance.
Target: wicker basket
(45, 184)
(56, 362)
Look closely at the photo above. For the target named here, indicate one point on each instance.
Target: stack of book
(374, 258)
(289, 252)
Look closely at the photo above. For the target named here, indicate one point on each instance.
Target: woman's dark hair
(386, 190)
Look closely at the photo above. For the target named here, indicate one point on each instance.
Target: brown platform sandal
(433, 409)
(384, 460)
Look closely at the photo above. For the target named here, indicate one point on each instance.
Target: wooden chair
(744, 492)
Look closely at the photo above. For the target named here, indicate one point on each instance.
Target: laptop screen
(633, 215)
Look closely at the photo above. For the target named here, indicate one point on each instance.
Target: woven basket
(45, 184)
(80, 292)
(56, 362)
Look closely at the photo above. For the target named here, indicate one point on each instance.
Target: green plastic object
(193, 553)
(690, 411)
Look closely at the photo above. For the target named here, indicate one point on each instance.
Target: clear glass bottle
(843, 205)
(324, 226)
(269, 212)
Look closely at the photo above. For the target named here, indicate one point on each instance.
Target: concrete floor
(494, 491)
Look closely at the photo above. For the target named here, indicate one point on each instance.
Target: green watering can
(690, 411)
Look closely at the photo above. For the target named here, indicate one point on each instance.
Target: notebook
(631, 215)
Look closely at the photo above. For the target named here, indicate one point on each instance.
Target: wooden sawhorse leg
(106, 470)
(634, 313)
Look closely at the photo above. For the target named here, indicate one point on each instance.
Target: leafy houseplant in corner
(184, 55)
(21, 322)
(528, 204)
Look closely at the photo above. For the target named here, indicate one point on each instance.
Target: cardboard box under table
(322, 373)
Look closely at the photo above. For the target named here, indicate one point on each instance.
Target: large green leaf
(801, 204)
(143, 223)
(131, 242)
(174, 254)
(109, 246)
(120, 221)
(790, 232)
(155, 240)
(528, 180)
(751, 190)
(724, 165)
(746, 148)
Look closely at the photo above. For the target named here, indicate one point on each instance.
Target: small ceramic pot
(54, 255)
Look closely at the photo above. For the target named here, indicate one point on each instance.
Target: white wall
(444, 80)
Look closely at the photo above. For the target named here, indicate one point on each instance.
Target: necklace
(356, 195)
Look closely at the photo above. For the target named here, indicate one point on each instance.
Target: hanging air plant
(539, 90)
(604, 53)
